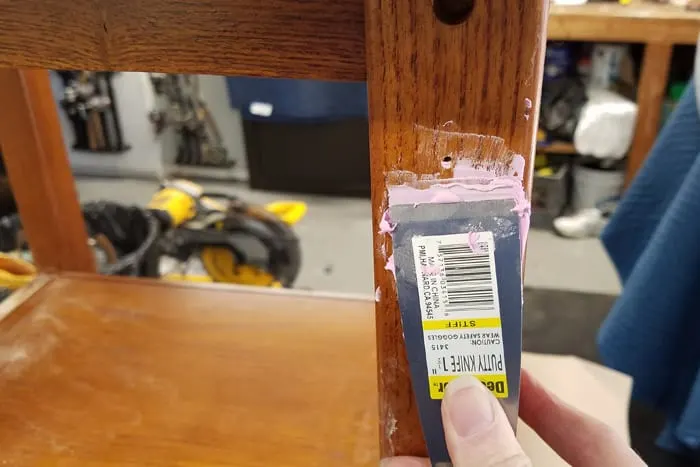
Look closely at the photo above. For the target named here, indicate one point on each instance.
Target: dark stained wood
(650, 96)
(482, 76)
(39, 172)
(283, 38)
(119, 372)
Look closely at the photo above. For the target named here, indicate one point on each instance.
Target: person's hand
(478, 433)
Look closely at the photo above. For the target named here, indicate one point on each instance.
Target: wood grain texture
(279, 38)
(484, 77)
(39, 172)
(282, 38)
(650, 96)
(120, 372)
(612, 22)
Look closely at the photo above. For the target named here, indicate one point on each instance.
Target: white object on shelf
(606, 125)
(584, 224)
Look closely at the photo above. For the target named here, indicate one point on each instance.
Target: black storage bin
(304, 136)
(335, 157)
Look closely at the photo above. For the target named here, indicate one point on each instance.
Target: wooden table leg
(650, 96)
(39, 172)
(481, 75)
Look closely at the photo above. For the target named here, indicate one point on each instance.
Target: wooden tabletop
(643, 22)
(279, 38)
(112, 371)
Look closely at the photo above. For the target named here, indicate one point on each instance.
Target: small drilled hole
(446, 162)
(452, 11)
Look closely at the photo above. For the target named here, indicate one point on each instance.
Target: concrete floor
(336, 240)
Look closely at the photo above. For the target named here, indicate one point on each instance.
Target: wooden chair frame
(483, 75)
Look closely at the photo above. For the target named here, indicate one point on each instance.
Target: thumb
(477, 430)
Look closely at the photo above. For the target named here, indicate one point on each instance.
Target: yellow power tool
(218, 229)
(215, 227)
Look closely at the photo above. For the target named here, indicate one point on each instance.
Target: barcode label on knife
(458, 294)
(468, 278)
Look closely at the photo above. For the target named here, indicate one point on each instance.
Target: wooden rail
(282, 38)
(611, 22)
(277, 38)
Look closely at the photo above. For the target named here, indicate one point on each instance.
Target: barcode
(468, 277)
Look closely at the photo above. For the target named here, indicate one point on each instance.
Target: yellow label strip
(497, 384)
(441, 324)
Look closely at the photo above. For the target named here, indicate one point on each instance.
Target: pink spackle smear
(377, 294)
(431, 270)
(390, 266)
(444, 196)
(528, 108)
(385, 225)
(473, 183)
(472, 241)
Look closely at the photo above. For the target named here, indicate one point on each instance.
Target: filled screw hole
(446, 162)
(452, 12)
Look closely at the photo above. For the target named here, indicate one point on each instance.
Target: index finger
(579, 439)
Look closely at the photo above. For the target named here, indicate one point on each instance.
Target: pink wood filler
(469, 183)
(457, 268)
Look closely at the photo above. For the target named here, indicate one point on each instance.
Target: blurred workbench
(658, 26)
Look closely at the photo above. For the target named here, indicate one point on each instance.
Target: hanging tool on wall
(88, 100)
(199, 138)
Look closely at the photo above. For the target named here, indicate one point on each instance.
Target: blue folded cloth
(653, 331)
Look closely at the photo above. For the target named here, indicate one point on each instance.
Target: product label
(460, 311)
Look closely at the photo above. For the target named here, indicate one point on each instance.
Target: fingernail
(403, 462)
(469, 406)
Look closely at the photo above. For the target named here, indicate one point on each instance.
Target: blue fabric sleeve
(652, 332)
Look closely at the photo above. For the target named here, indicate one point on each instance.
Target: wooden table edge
(24, 294)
